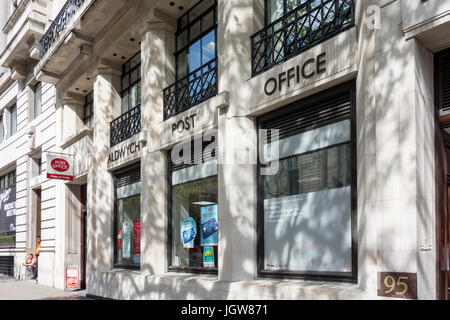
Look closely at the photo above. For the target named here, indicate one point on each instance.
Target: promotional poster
(126, 240)
(8, 210)
(209, 226)
(188, 232)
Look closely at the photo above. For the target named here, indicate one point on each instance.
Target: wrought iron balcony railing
(125, 126)
(58, 25)
(309, 24)
(196, 87)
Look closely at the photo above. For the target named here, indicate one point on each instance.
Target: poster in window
(208, 257)
(126, 240)
(188, 232)
(137, 241)
(119, 239)
(8, 210)
(209, 226)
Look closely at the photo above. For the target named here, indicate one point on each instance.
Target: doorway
(37, 217)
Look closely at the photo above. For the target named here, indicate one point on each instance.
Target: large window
(8, 209)
(13, 123)
(131, 83)
(196, 38)
(127, 218)
(307, 207)
(193, 214)
(196, 60)
(293, 26)
(37, 107)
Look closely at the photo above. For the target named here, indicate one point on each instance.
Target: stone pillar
(403, 154)
(366, 151)
(237, 197)
(107, 104)
(238, 20)
(158, 70)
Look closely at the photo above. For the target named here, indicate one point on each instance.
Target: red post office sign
(72, 277)
(59, 167)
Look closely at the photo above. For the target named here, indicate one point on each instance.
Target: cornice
(15, 16)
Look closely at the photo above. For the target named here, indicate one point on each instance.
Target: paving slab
(12, 289)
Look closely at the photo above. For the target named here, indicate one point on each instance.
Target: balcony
(58, 25)
(196, 87)
(125, 126)
(307, 25)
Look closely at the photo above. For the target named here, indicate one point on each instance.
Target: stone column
(403, 154)
(238, 20)
(158, 70)
(100, 251)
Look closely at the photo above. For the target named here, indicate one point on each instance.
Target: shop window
(37, 107)
(193, 214)
(127, 218)
(88, 112)
(13, 124)
(8, 210)
(307, 208)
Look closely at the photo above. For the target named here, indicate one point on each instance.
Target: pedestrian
(30, 266)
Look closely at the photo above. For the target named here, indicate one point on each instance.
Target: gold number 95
(389, 282)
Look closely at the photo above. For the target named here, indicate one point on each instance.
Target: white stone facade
(391, 65)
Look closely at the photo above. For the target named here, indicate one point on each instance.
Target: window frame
(350, 277)
(87, 118)
(37, 87)
(2, 129)
(190, 42)
(170, 232)
(127, 90)
(13, 120)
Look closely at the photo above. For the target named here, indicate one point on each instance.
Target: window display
(128, 219)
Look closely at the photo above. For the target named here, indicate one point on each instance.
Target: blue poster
(208, 257)
(188, 232)
(209, 226)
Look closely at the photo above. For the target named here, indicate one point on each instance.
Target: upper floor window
(196, 38)
(131, 83)
(293, 26)
(37, 106)
(2, 131)
(8, 180)
(275, 9)
(196, 59)
(88, 112)
(13, 127)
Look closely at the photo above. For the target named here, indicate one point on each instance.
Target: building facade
(224, 149)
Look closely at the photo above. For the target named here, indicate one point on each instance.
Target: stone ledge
(80, 134)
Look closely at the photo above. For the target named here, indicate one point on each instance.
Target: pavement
(12, 289)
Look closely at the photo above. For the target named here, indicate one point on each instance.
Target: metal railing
(125, 126)
(311, 23)
(196, 87)
(58, 25)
